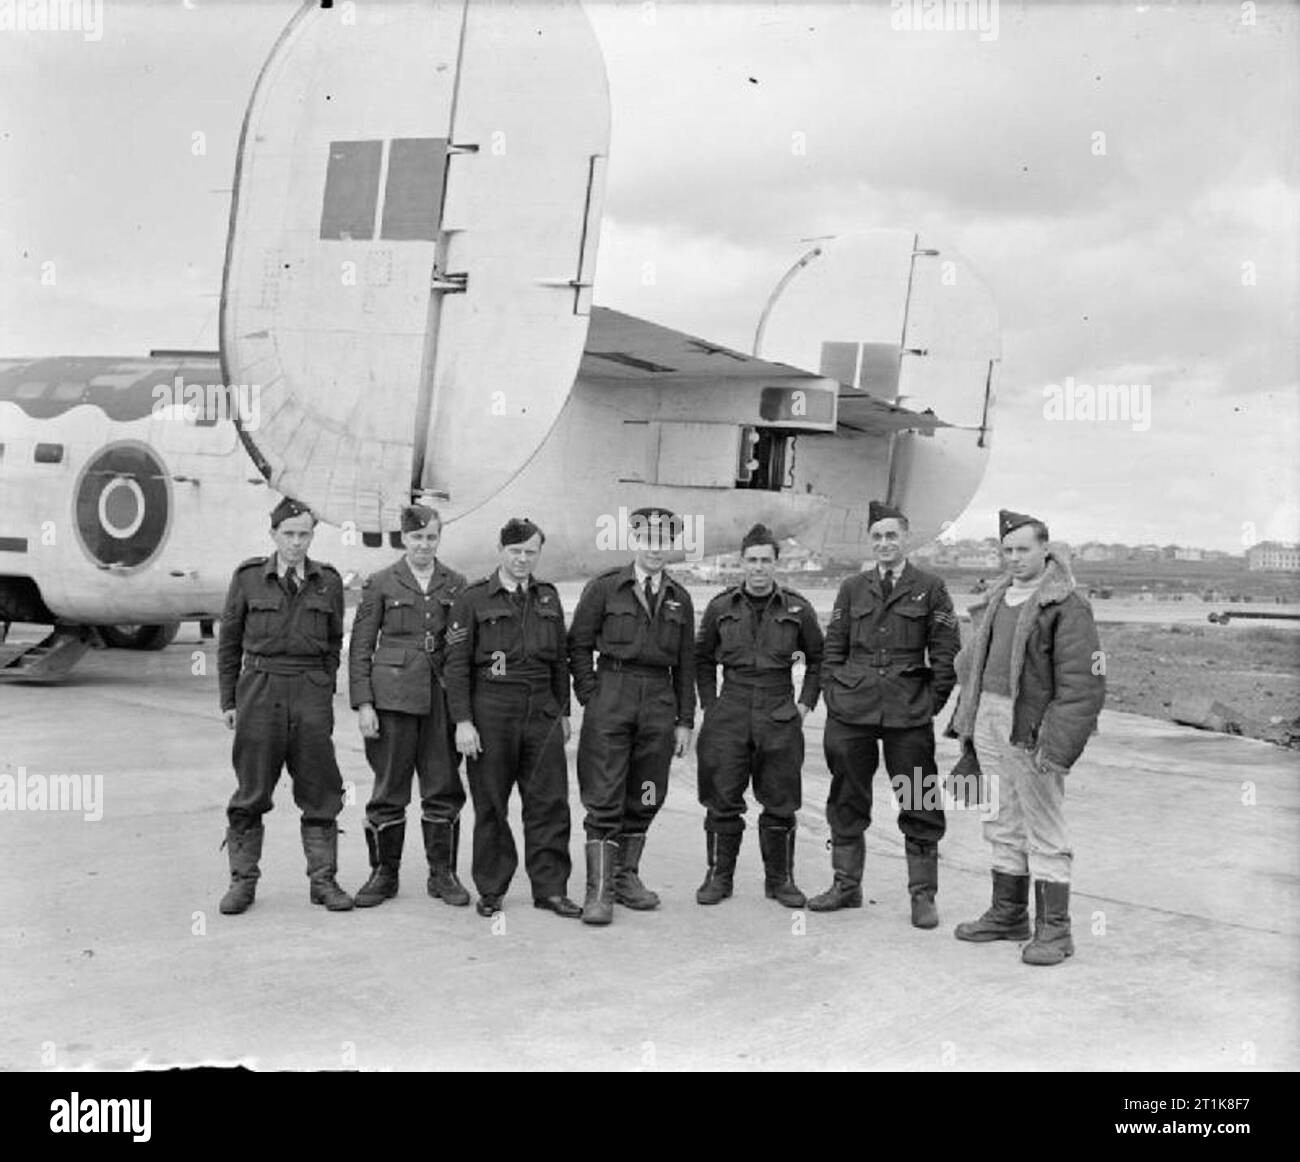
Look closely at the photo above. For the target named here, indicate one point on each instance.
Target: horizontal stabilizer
(861, 412)
(623, 350)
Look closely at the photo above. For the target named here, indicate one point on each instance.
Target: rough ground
(1253, 669)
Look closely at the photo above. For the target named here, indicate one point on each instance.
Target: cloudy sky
(1162, 253)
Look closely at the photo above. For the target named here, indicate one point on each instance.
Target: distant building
(1094, 551)
(1273, 555)
(724, 568)
(795, 558)
(1182, 553)
(980, 559)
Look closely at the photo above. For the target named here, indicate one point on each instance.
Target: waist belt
(282, 664)
(640, 669)
(531, 673)
(885, 656)
(427, 642)
(757, 679)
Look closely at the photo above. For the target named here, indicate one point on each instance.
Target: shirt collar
(275, 567)
(502, 581)
(656, 579)
(896, 570)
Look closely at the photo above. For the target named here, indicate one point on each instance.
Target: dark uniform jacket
(1056, 678)
(282, 634)
(491, 640)
(875, 671)
(612, 618)
(758, 649)
(397, 646)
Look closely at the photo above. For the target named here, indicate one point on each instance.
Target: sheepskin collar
(1056, 584)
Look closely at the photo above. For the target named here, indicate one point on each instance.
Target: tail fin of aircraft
(412, 242)
(913, 325)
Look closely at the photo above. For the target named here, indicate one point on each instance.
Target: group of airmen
(440, 669)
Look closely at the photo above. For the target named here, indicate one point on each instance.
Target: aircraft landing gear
(139, 637)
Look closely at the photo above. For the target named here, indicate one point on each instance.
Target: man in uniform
(880, 693)
(755, 727)
(395, 663)
(640, 708)
(508, 690)
(1031, 692)
(277, 657)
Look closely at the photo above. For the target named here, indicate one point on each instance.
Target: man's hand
(804, 711)
(229, 716)
(566, 729)
(681, 741)
(467, 740)
(367, 720)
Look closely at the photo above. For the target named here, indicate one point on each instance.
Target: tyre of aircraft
(139, 637)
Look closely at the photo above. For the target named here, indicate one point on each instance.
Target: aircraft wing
(623, 350)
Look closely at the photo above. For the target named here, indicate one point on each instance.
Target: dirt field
(1253, 669)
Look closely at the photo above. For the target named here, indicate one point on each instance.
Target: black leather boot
(598, 907)
(244, 849)
(628, 888)
(1052, 941)
(442, 847)
(1007, 917)
(923, 881)
(385, 847)
(776, 841)
(320, 843)
(847, 858)
(723, 847)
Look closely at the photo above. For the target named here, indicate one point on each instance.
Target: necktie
(291, 580)
(519, 596)
(650, 595)
(887, 584)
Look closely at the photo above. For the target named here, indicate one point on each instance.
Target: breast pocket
(670, 626)
(783, 636)
(862, 629)
(732, 643)
(547, 633)
(497, 629)
(618, 626)
(314, 618)
(263, 616)
(913, 620)
(401, 616)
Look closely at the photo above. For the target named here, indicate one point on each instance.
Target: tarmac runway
(1185, 918)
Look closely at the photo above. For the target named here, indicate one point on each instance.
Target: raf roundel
(122, 507)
